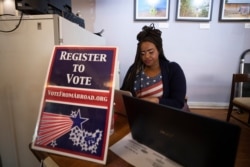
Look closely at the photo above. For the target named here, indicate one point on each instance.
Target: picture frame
(234, 10)
(151, 10)
(193, 10)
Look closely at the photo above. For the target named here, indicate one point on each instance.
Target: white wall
(25, 54)
(207, 56)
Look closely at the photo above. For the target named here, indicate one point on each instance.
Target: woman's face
(149, 54)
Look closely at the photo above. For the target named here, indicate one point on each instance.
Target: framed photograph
(151, 10)
(234, 10)
(194, 10)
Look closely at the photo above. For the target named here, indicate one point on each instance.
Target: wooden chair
(242, 103)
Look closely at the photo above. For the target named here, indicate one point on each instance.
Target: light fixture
(9, 7)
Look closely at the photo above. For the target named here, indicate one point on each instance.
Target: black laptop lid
(187, 138)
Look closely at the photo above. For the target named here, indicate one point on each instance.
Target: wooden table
(121, 129)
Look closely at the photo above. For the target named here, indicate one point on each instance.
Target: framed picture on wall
(234, 10)
(151, 10)
(194, 10)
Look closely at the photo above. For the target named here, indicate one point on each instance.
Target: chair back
(236, 100)
(238, 79)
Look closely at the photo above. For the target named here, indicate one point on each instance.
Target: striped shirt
(146, 86)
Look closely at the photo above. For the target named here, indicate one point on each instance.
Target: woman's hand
(151, 99)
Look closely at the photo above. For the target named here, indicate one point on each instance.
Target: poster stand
(76, 109)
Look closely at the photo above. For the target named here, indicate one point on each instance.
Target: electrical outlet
(163, 25)
(247, 25)
(204, 26)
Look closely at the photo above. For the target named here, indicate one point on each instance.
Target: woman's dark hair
(148, 34)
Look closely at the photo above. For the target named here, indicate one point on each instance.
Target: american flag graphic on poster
(76, 108)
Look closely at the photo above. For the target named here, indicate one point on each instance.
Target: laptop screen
(118, 101)
(187, 138)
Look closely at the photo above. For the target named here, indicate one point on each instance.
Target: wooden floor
(243, 154)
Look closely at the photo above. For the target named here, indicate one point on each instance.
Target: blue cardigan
(174, 84)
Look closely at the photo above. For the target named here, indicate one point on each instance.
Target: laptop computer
(187, 138)
(118, 101)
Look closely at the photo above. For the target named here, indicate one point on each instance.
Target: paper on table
(140, 155)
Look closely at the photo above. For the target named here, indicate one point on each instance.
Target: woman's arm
(174, 85)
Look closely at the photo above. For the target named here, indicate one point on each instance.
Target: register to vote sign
(75, 112)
